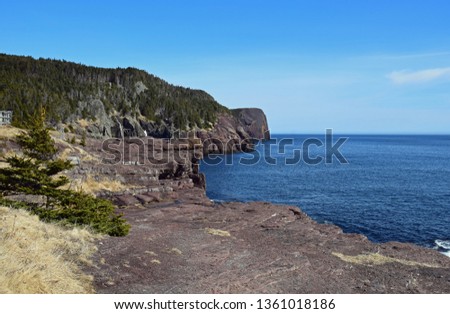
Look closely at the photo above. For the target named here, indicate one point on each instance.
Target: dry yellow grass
(217, 232)
(66, 153)
(71, 150)
(9, 132)
(91, 185)
(11, 153)
(374, 259)
(85, 156)
(175, 251)
(37, 257)
(84, 123)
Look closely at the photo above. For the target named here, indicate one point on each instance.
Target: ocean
(387, 187)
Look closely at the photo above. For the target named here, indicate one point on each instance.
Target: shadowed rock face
(236, 131)
(254, 122)
(230, 128)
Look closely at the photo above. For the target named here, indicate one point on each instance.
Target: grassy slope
(87, 184)
(37, 257)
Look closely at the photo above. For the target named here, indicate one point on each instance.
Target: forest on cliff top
(57, 85)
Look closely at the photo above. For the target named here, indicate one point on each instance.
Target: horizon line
(362, 133)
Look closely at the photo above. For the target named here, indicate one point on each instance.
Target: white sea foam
(446, 253)
(445, 244)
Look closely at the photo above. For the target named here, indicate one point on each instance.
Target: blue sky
(354, 66)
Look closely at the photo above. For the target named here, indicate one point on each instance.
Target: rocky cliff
(253, 121)
(182, 242)
(237, 131)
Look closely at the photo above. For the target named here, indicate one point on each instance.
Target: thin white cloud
(423, 76)
(402, 57)
(413, 55)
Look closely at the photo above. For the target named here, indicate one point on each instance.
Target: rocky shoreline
(182, 242)
(121, 130)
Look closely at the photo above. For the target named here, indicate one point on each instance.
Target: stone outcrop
(237, 131)
(253, 122)
(184, 243)
(142, 164)
(234, 131)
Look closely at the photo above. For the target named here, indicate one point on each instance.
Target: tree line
(27, 83)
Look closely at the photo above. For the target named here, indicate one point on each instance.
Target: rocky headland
(143, 139)
(182, 242)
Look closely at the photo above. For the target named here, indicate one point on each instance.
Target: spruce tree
(37, 172)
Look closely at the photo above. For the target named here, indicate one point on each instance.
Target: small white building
(5, 117)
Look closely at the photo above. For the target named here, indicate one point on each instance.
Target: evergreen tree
(36, 173)
(62, 86)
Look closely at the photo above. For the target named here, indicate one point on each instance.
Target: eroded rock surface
(237, 131)
(184, 243)
(181, 242)
(254, 122)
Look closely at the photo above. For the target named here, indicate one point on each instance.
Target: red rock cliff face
(236, 131)
(254, 122)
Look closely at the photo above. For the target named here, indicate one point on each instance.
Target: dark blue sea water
(393, 187)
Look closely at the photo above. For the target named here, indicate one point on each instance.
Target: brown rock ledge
(186, 244)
